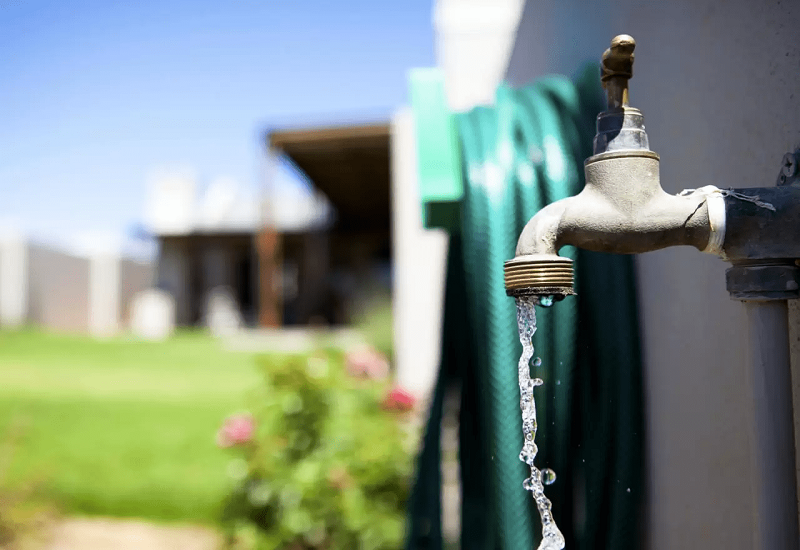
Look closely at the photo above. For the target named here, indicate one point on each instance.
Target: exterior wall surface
(473, 41)
(420, 257)
(719, 85)
(58, 286)
(135, 276)
(59, 291)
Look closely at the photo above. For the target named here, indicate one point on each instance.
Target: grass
(120, 427)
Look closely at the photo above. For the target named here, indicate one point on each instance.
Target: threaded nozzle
(539, 276)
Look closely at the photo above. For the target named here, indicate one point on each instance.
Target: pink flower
(236, 430)
(399, 400)
(367, 362)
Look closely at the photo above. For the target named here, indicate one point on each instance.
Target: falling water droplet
(537, 362)
(528, 484)
(546, 301)
(548, 476)
(629, 489)
(528, 453)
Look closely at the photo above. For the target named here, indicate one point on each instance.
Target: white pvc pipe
(774, 487)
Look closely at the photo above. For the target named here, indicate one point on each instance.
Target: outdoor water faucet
(622, 208)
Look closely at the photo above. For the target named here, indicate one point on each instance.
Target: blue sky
(96, 95)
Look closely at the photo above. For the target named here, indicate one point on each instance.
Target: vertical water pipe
(772, 429)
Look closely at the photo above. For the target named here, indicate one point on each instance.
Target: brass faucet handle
(617, 68)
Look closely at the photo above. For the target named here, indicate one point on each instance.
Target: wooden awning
(349, 164)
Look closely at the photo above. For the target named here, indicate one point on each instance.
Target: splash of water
(552, 539)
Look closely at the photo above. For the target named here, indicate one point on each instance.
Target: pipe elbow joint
(541, 235)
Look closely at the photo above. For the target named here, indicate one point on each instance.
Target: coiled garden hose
(518, 156)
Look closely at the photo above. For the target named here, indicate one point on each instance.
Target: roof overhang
(349, 165)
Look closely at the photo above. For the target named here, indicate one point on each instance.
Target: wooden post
(270, 307)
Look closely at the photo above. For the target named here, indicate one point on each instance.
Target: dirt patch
(119, 534)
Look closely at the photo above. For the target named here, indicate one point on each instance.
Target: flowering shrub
(323, 462)
(237, 430)
(367, 362)
(399, 400)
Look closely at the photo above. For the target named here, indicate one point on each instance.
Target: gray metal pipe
(772, 429)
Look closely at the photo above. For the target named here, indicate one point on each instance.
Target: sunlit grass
(120, 427)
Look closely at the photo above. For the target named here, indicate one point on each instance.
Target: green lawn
(120, 427)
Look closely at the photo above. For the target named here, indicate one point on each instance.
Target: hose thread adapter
(538, 276)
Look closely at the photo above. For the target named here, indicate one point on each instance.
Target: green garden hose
(518, 156)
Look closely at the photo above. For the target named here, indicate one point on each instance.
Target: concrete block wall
(56, 290)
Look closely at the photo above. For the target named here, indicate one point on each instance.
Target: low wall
(45, 287)
(58, 289)
(135, 276)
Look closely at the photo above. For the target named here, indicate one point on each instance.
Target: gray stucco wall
(719, 84)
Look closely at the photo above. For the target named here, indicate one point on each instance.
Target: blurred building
(283, 256)
(323, 274)
(206, 241)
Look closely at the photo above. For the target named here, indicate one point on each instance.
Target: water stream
(552, 539)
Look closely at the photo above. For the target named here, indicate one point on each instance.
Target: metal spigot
(622, 208)
(620, 127)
